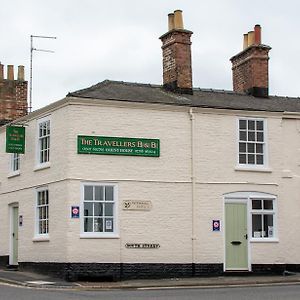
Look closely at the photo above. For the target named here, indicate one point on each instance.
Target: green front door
(236, 247)
(15, 225)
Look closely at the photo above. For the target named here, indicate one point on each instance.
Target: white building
(125, 180)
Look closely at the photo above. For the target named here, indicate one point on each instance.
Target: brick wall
(250, 71)
(13, 99)
(177, 68)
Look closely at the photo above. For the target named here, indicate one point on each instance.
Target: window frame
(37, 233)
(247, 165)
(263, 212)
(44, 164)
(115, 232)
(14, 157)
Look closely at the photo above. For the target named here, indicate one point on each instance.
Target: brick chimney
(250, 68)
(13, 94)
(176, 46)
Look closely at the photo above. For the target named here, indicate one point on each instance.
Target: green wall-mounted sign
(117, 146)
(15, 139)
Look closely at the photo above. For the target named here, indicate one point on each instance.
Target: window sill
(45, 238)
(247, 168)
(98, 236)
(42, 166)
(13, 174)
(265, 240)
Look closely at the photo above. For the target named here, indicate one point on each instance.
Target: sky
(119, 40)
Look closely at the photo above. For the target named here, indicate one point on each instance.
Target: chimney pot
(1, 72)
(171, 21)
(250, 38)
(178, 19)
(245, 45)
(21, 73)
(10, 72)
(257, 34)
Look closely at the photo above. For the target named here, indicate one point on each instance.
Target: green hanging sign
(117, 146)
(15, 139)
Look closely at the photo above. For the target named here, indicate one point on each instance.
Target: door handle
(13, 234)
(236, 242)
(246, 236)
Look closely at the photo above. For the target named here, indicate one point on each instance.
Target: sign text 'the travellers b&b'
(117, 146)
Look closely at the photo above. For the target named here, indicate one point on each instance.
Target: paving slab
(31, 279)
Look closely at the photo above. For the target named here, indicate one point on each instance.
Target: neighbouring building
(128, 180)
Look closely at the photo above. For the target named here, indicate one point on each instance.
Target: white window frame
(113, 234)
(14, 164)
(255, 166)
(39, 163)
(38, 234)
(263, 212)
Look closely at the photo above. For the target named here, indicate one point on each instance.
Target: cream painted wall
(165, 181)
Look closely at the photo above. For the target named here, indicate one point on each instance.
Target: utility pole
(31, 56)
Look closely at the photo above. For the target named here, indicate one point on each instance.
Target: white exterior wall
(165, 181)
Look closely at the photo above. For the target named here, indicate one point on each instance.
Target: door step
(238, 273)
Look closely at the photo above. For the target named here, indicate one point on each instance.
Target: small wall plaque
(137, 205)
(142, 246)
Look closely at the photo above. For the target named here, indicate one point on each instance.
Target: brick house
(128, 180)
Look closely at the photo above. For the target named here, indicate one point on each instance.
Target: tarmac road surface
(286, 292)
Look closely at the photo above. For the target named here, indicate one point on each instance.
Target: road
(272, 292)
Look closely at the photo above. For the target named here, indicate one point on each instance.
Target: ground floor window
(98, 207)
(42, 212)
(262, 213)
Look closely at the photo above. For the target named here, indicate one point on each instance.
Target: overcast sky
(118, 40)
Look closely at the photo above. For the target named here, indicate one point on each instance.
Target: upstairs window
(252, 144)
(15, 162)
(44, 141)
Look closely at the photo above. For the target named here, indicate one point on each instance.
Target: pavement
(34, 280)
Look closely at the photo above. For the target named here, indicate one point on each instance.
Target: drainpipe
(192, 118)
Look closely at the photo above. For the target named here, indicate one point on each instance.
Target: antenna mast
(31, 56)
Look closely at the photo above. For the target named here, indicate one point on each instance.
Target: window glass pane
(98, 225)
(88, 208)
(243, 124)
(109, 209)
(109, 225)
(109, 193)
(242, 159)
(260, 159)
(268, 204)
(250, 148)
(251, 125)
(243, 136)
(256, 226)
(98, 209)
(242, 147)
(268, 226)
(259, 148)
(88, 192)
(256, 204)
(98, 193)
(251, 159)
(260, 136)
(251, 136)
(260, 125)
(88, 225)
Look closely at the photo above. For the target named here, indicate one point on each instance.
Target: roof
(208, 98)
